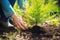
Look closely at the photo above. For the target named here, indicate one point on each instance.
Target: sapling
(39, 11)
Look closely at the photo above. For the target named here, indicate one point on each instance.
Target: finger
(21, 26)
(22, 23)
(16, 24)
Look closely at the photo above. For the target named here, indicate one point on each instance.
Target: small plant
(39, 11)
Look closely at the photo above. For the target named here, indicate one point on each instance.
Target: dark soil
(47, 32)
(40, 33)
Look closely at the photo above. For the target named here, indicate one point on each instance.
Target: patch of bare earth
(42, 32)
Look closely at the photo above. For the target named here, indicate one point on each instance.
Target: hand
(18, 22)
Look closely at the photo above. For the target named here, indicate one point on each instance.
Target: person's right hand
(18, 22)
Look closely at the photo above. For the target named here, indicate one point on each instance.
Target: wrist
(14, 16)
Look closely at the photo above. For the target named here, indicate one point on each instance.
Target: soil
(43, 32)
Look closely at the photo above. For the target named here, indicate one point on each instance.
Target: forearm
(7, 8)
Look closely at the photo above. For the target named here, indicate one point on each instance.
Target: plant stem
(36, 22)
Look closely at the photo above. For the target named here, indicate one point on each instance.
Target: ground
(47, 32)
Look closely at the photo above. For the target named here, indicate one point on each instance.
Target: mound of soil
(41, 33)
(46, 32)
